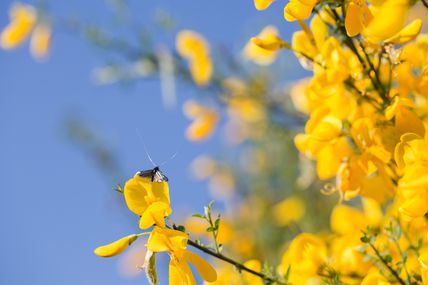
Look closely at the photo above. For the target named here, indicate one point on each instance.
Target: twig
(238, 265)
(385, 262)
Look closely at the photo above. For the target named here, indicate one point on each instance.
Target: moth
(155, 174)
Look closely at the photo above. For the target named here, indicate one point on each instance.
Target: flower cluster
(150, 200)
(26, 20)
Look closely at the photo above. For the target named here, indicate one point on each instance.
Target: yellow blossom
(40, 41)
(298, 9)
(357, 17)
(23, 18)
(423, 260)
(375, 278)
(193, 47)
(24, 21)
(305, 255)
(205, 121)
(149, 200)
(288, 211)
(116, 247)
(175, 244)
(256, 51)
(388, 20)
(262, 4)
(255, 265)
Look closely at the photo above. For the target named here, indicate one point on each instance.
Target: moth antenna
(145, 148)
(172, 157)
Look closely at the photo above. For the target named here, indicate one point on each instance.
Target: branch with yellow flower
(150, 200)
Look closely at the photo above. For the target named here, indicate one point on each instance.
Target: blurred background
(75, 125)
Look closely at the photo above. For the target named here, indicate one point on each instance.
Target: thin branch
(238, 265)
(386, 263)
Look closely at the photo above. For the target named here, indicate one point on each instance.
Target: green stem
(238, 265)
(386, 263)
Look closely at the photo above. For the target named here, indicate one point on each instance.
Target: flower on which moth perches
(150, 200)
(24, 20)
(175, 244)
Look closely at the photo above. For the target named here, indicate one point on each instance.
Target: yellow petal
(298, 10)
(40, 41)
(353, 21)
(201, 69)
(175, 276)
(206, 271)
(190, 44)
(186, 275)
(374, 279)
(141, 192)
(388, 20)
(255, 265)
(196, 50)
(408, 33)
(23, 19)
(260, 55)
(345, 219)
(116, 247)
(166, 240)
(262, 4)
(205, 121)
(289, 210)
(423, 261)
(415, 207)
(155, 214)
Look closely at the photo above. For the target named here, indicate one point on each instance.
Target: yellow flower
(288, 211)
(24, 21)
(375, 278)
(262, 4)
(40, 41)
(251, 279)
(407, 34)
(357, 17)
(175, 243)
(148, 199)
(23, 18)
(116, 247)
(205, 121)
(411, 155)
(196, 50)
(271, 43)
(256, 51)
(387, 21)
(299, 9)
(345, 219)
(305, 255)
(423, 260)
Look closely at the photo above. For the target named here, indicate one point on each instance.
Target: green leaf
(388, 258)
(119, 188)
(364, 239)
(198, 216)
(287, 273)
(151, 272)
(217, 223)
(210, 229)
(181, 228)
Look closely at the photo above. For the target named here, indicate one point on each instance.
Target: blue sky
(56, 205)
